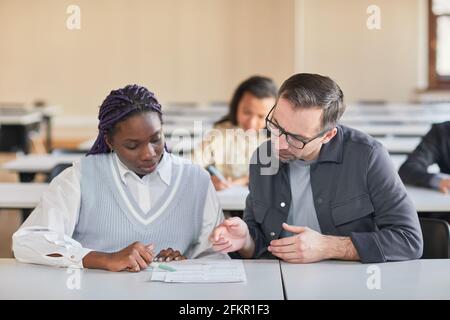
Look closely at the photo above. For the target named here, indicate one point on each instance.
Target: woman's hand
(220, 184)
(168, 255)
(134, 258)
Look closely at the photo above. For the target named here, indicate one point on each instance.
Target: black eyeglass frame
(289, 135)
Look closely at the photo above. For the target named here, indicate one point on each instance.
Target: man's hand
(444, 185)
(134, 258)
(304, 247)
(167, 255)
(308, 246)
(229, 236)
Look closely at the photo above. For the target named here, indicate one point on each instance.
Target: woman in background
(234, 138)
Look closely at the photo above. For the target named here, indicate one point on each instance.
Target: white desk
(352, 119)
(416, 130)
(233, 198)
(175, 143)
(197, 128)
(19, 117)
(174, 132)
(398, 112)
(397, 108)
(16, 126)
(399, 159)
(186, 118)
(39, 163)
(21, 195)
(26, 281)
(27, 196)
(197, 111)
(400, 144)
(417, 279)
(29, 115)
(425, 200)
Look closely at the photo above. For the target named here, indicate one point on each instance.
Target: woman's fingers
(168, 255)
(172, 256)
(141, 262)
(161, 255)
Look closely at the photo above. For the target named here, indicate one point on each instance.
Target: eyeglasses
(292, 139)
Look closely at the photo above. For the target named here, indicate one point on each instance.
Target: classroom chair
(436, 238)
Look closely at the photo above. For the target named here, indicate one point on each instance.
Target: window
(439, 44)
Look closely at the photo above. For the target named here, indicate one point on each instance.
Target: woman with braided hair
(125, 200)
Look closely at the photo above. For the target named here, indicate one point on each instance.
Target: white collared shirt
(150, 188)
(49, 228)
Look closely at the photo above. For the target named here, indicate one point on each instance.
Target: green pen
(162, 266)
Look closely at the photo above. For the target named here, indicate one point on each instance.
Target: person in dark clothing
(331, 192)
(433, 149)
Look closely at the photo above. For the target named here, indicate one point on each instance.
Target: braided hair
(118, 106)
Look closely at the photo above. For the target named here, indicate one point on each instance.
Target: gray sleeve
(399, 236)
(436, 180)
(254, 227)
(415, 169)
(254, 211)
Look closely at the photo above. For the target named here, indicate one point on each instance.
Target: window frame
(435, 81)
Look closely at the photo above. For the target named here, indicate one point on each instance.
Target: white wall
(184, 50)
(332, 38)
(198, 50)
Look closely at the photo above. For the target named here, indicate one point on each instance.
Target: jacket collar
(333, 150)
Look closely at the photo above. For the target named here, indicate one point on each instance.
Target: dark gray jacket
(434, 148)
(357, 192)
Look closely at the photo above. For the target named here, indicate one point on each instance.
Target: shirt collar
(333, 150)
(163, 170)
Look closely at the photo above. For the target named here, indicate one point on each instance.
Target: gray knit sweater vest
(110, 219)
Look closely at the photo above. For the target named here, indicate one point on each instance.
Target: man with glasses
(333, 193)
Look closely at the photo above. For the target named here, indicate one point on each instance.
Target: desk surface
(389, 118)
(21, 195)
(26, 281)
(398, 107)
(416, 130)
(425, 200)
(233, 198)
(428, 200)
(399, 159)
(403, 145)
(39, 163)
(19, 117)
(27, 196)
(176, 143)
(417, 279)
(24, 115)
